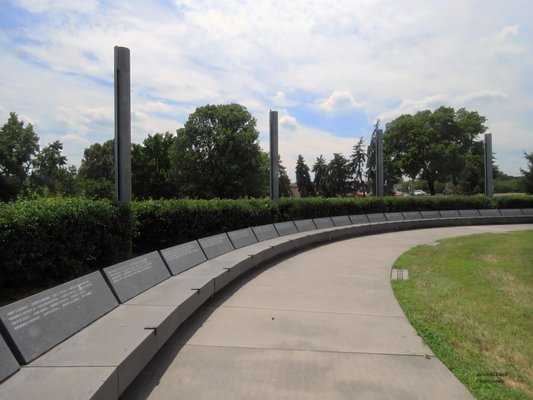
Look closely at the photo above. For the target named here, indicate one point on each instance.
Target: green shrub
(164, 223)
(48, 241)
(428, 203)
(512, 185)
(320, 207)
(316, 207)
(514, 201)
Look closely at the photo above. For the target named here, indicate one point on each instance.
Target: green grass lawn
(471, 300)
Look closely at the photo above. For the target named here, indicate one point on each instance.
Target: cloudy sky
(330, 68)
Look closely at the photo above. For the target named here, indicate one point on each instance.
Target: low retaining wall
(90, 337)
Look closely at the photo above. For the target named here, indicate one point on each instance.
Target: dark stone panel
(305, 225)
(376, 217)
(129, 278)
(511, 212)
(394, 216)
(265, 232)
(323, 222)
(37, 323)
(469, 213)
(341, 220)
(359, 219)
(286, 228)
(430, 214)
(410, 215)
(242, 237)
(449, 213)
(492, 212)
(183, 256)
(216, 245)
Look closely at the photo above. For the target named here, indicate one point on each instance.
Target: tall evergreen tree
(284, 181)
(338, 179)
(358, 160)
(320, 170)
(303, 179)
(528, 173)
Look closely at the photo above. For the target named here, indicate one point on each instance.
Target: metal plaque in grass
(399, 274)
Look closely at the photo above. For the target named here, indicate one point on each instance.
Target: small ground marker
(399, 274)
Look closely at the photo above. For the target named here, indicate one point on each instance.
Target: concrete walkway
(322, 324)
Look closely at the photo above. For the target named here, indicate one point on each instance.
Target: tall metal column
(122, 124)
(379, 163)
(274, 158)
(488, 165)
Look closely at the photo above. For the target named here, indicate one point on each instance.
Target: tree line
(217, 155)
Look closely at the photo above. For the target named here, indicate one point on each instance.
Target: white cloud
(506, 32)
(480, 96)
(288, 121)
(410, 106)
(77, 139)
(502, 43)
(339, 100)
(280, 100)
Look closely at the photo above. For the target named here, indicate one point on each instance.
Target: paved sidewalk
(322, 324)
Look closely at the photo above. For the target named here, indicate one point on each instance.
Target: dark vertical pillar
(274, 158)
(488, 165)
(379, 163)
(122, 125)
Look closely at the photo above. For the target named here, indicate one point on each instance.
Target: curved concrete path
(322, 324)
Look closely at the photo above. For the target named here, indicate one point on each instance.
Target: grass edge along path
(471, 299)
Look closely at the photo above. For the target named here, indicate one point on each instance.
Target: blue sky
(329, 68)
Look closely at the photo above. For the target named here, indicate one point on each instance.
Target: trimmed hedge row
(44, 242)
(164, 223)
(48, 241)
(291, 209)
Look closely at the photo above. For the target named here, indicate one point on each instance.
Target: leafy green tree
(320, 169)
(357, 163)
(528, 174)
(98, 189)
(434, 145)
(151, 167)
(284, 182)
(67, 184)
(338, 178)
(97, 171)
(217, 154)
(47, 166)
(18, 145)
(471, 178)
(303, 179)
(98, 162)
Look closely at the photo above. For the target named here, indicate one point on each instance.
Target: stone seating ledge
(103, 358)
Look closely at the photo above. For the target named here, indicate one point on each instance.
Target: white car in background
(419, 193)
